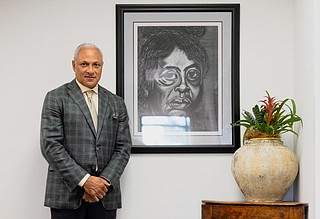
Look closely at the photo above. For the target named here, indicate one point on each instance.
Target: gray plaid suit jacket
(72, 147)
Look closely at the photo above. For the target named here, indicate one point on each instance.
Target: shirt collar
(84, 88)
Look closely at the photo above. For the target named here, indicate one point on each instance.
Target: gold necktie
(92, 108)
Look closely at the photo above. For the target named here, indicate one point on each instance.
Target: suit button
(97, 148)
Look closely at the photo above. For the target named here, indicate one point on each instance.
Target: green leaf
(249, 117)
(259, 114)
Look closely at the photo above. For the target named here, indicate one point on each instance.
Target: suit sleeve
(122, 150)
(51, 141)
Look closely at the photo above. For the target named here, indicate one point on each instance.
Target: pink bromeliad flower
(270, 105)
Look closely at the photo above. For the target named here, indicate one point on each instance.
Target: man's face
(88, 67)
(177, 85)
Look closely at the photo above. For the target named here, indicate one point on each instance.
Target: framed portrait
(178, 72)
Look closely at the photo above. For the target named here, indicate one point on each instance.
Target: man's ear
(73, 65)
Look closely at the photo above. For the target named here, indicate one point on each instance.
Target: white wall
(36, 44)
(306, 81)
(317, 109)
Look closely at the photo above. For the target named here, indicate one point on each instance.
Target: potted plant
(269, 120)
(263, 167)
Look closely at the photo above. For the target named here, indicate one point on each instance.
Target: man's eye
(96, 65)
(168, 77)
(83, 64)
(193, 76)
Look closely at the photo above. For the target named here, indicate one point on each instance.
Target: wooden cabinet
(254, 210)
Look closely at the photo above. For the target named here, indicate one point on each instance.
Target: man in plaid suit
(85, 160)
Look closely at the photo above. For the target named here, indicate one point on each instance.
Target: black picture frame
(224, 19)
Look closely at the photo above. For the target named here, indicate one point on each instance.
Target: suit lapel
(76, 94)
(105, 108)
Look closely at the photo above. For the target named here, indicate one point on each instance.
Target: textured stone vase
(264, 169)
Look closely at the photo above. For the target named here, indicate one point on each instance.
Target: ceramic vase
(264, 169)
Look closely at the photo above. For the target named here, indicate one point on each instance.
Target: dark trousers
(85, 211)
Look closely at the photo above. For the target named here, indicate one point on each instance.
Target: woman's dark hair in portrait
(157, 43)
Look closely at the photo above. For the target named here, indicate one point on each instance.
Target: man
(86, 141)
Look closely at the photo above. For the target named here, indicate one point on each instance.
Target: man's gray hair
(86, 45)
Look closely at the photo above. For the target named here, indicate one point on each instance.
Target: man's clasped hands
(95, 188)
